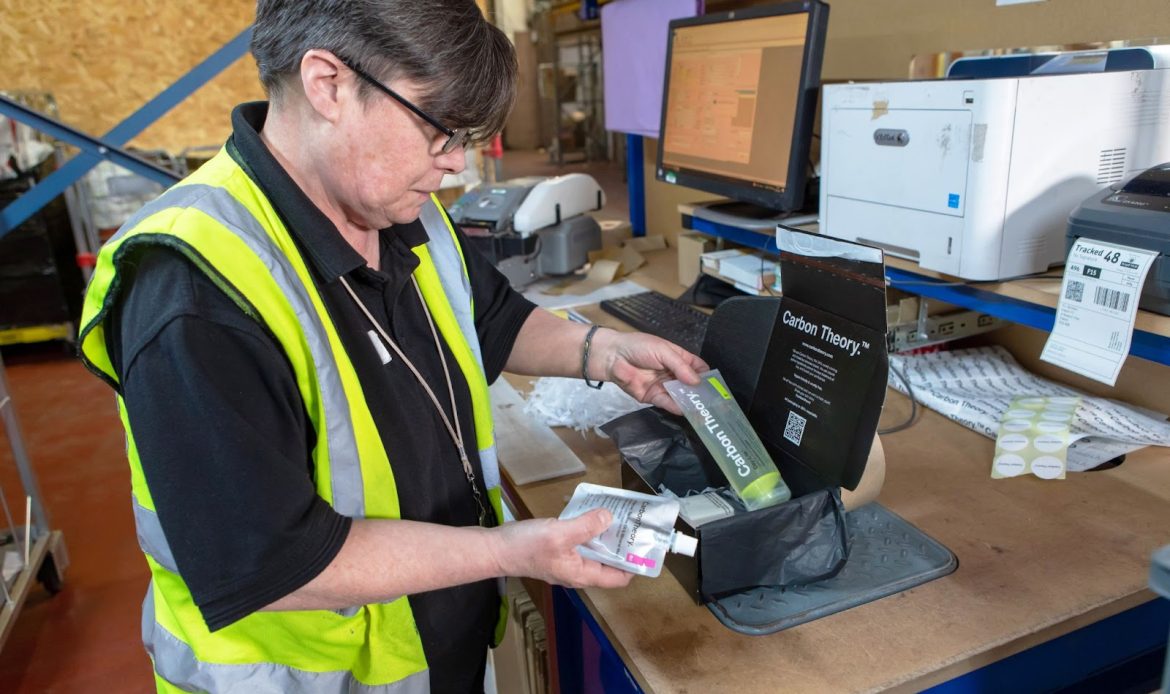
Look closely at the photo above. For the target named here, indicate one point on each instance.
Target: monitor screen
(739, 102)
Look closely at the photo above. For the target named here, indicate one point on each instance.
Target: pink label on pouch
(640, 561)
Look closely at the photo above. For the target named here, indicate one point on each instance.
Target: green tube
(727, 434)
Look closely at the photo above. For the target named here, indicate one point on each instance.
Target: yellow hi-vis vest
(220, 220)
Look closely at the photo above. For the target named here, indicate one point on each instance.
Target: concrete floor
(86, 638)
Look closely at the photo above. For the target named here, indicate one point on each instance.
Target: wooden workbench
(1037, 559)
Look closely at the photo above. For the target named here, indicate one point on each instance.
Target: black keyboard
(663, 316)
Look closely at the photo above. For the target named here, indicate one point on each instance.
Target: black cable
(913, 405)
(767, 287)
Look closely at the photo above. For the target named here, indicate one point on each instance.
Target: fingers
(682, 364)
(594, 574)
(587, 526)
(588, 573)
(662, 399)
(609, 577)
(697, 363)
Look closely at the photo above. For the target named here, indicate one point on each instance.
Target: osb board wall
(103, 59)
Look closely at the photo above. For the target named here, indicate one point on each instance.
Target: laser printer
(535, 226)
(975, 178)
(1136, 214)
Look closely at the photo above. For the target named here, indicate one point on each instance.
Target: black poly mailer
(660, 448)
(795, 543)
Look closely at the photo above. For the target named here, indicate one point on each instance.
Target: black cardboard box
(809, 369)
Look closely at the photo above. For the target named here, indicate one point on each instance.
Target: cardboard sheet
(549, 294)
(602, 273)
(529, 451)
(647, 243)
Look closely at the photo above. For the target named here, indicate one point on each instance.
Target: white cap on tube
(683, 544)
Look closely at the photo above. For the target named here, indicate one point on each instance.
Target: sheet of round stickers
(1033, 437)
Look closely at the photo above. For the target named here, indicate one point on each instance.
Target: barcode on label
(1111, 298)
(1075, 291)
(794, 427)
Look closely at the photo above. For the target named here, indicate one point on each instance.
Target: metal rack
(43, 548)
(569, 82)
(579, 101)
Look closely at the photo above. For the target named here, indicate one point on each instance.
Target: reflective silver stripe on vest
(176, 663)
(490, 462)
(453, 276)
(218, 203)
(151, 538)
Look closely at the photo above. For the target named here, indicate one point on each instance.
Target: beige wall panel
(875, 39)
(1140, 383)
(523, 128)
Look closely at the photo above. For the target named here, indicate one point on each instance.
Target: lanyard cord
(455, 431)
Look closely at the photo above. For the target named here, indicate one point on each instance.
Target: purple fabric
(633, 40)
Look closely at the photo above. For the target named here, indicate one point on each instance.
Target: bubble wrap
(569, 402)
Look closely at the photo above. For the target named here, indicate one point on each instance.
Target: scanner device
(533, 227)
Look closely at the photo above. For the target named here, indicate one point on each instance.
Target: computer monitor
(739, 102)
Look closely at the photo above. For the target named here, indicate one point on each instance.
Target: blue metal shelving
(1147, 345)
(636, 184)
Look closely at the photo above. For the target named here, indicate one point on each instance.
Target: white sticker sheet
(975, 387)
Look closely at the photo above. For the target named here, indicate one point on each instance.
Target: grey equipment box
(1135, 214)
(1160, 583)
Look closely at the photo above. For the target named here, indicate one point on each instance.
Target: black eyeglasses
(456, 139)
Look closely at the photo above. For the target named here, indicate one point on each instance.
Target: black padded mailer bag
(794, 543)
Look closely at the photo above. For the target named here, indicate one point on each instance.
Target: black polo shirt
(226, 444)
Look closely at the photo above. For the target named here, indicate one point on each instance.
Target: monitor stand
(745, 215)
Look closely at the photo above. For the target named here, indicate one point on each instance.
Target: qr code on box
(794, 427)
(1075, 291)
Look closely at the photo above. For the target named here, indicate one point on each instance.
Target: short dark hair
(466, 66)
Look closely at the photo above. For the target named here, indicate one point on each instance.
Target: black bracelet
(585, 359)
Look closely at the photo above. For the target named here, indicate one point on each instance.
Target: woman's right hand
(546, 549)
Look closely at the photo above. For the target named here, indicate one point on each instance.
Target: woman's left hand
(640, 363)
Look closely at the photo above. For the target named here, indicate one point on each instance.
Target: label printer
(533, 227)
(1136, 214)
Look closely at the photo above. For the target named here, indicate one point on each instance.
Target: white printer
(976, 178)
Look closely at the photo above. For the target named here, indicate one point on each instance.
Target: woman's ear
(326, 83)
